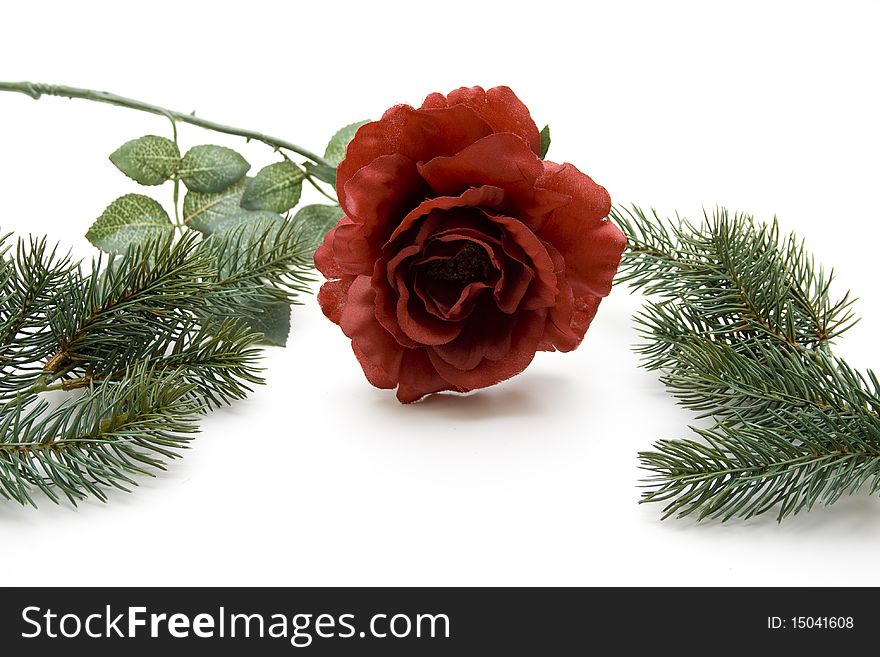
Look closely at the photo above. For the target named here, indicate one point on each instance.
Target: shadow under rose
(526, 396)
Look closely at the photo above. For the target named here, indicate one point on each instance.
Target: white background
(319, 479)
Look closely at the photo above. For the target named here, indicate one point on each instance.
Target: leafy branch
(740, 331)
(164, 326)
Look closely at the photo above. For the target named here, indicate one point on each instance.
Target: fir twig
(145, 340)
(741, 333)
(31, 275)
(95, 441)
(255, 266)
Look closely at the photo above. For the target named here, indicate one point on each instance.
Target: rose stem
(35, 90)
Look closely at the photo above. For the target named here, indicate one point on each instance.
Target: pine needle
(740, 328)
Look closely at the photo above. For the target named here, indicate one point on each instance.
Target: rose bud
(461, 252)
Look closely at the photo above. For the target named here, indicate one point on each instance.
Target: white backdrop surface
(319, 479)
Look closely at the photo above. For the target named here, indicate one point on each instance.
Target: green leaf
(545, 141)
(130, 219)
(149, 160)
(315, 221)
(255, 222)
(210, 168)
(273, 321)
(321, 172)
(276, 188)
(335, 151)
(222, 211)
(200, 210)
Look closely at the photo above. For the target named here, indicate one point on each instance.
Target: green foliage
(148, 160)
(209, 169)
(335, 152)
(321, 172)
(257, 257)
(545, 141)
(275, 188)
(96, 441)
(163, 329)
(217, 358)
(112, 316)
(31, 274)
(272, 322)
(271, 265)
(735, 277)
(752, 469)
(145, 341)
(130, 219)
(201, 211)
(253, 221)
(315, 221)
(740, 331)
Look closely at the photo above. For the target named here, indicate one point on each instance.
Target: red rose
(461, 252)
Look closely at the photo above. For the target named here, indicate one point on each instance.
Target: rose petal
(487, 336)
(324, 260)
(418, 377)
(542, 293)
(584, 311)
(455, 309)
(332, 296)
(399, 312)
(502, 160)
(358, 321)
(390, 268)
(383, 282)
(419, 325)
(375, 197)
(416, 134)
(558, 332)
(483, 196)
(513, 285)
(524, 340)
(374, 373)
(449, 300)
(499, 107)
(591, 246)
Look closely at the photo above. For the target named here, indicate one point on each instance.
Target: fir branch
(218, 359)
(753, 382)
(739, 278)
(32, 274)
(749, 469)
(741, 334)
(31, 277)
(96, 441)
(112, 316)
(135, 337)
(254, 266)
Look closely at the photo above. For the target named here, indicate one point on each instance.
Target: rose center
(469, 264)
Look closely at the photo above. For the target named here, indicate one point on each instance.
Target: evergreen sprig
(741, 331)
(95, 441)
(30, 274)
(259, 265)
(113, 315)
(136, 339)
